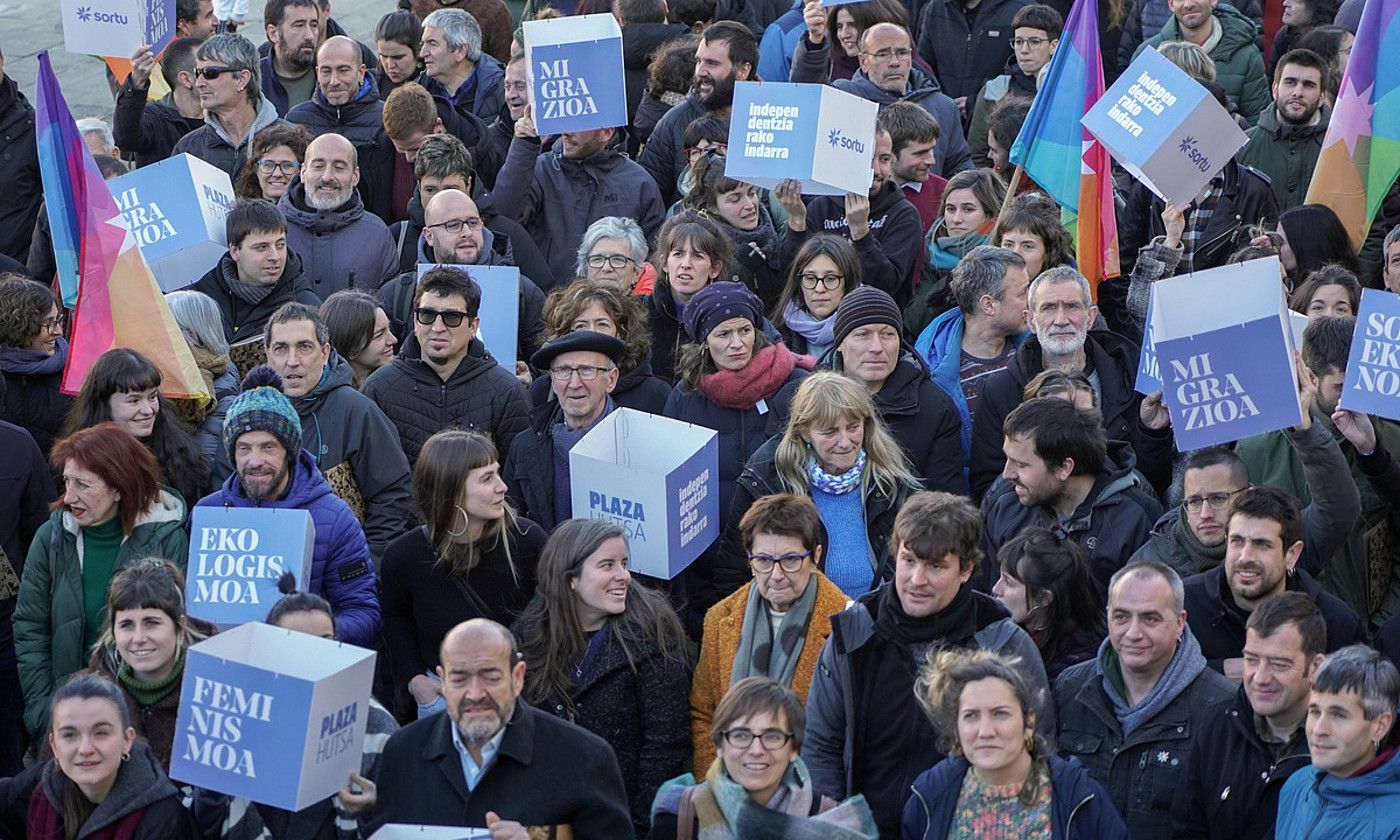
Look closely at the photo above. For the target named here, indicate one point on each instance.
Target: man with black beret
(582, 368)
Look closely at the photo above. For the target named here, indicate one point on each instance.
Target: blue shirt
(848, 557)
(470, 769)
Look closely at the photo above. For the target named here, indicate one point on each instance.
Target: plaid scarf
(1201, 211)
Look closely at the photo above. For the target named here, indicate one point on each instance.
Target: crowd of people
(967, 583)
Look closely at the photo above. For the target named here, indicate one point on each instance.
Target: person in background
(1231, 39)
(1308, 238)
(345, 101)
(690, 253)
(359, 332)
(149, 130)
(740, 212)
(914, 137)
(277, 155)
(825, 269)
(1286, 142)
(614, 250)
(1300, 19)
(1329, 292)
(288, 67)
(670, 76)
(33, 353)
(970, 204)
(1032, 229)
(19, 166)
(1046, 584)
(235, 110)
(397, 39)
(1035, 34)
(202, 325)
(1334, 44)
(1003, 126)
(454, 67)
(966, 45)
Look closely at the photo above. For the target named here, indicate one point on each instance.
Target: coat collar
(517, 745)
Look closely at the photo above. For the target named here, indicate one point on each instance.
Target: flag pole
(1010, 193)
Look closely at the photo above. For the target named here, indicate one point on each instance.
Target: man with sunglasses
(151, 129)
(226, 81)
(582, 368)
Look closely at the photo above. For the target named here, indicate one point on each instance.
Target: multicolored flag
(1060, 155)
(119, 303)
(1361, 153)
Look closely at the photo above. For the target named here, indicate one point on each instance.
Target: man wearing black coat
(644, 30)
(19, 169)
(151, 129)
(491, 760)
(346, 101)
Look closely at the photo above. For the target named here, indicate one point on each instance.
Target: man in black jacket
(1264, 539)
(1244, 752)
(151, 129)
(411, 115)
(346, 101)
(492, 760)
(19, 169)
(966, 43)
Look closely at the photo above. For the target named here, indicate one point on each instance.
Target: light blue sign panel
(117, 27)
(500, 307)
(236, 556)
(1149, 376)
(176, 210)
(771, 131)
(574, 66)
(1372, 383)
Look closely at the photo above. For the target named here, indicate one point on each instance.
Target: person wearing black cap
(582, 368)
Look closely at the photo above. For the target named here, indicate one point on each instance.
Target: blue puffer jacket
(1314, 803)
(1079, 806)
(779, 41)
(341, 571)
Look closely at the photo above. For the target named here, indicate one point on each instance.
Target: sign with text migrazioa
(574, 65)
(816, 134)
(236, 557)
(273, 715)
(658, 479)
(176, 210)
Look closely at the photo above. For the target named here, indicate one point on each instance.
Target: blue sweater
(848, 561)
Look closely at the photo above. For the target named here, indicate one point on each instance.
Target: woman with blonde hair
(837, 451)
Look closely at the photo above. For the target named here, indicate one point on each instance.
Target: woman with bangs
(1032, 229)
(824, 271)
(691, 253)
(474, 558)
(971, 202)
(740, 211)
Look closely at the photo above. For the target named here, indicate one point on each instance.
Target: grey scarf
(246, 292)
(1186, 664)
(759, 654)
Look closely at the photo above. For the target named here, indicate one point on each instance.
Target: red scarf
(45, 823)
(758, 380)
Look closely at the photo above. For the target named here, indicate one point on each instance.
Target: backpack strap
(403, 300)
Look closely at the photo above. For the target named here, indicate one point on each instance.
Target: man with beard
(1063, 475)
(489, 759)
(226, 82)
(727, 52)
(294, 31)
(341, 245)
(1286, 142)
(263, 437)
(1061, 312)
(1263, 542)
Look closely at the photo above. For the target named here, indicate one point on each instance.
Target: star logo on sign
(1187, 143)
(1351, 118)
(832, 136)
(84, 13)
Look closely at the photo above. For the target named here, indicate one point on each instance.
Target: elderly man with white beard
(340, 244)
(1064, 336)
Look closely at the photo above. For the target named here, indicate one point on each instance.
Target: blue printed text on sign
(626, 513)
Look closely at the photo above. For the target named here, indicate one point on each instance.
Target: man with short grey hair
(614, 250)
(456, 70)
(227, 82)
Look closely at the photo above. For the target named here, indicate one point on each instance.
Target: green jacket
(1239, 66)
(1369, 585)
(48, 618)
(1286, 153)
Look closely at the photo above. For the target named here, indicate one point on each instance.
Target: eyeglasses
(455, 225)
(613, 260)
(286, 167)
(763, 564)
(888, 53)
(426, 317)
(1033, 43)
(587, 373)
(771, 739)
(54, 324)
(810, 281)
(213, 72)
(1217, 501)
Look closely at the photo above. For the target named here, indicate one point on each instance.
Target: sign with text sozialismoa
(117, 27)
(816, 134)
(176, 210)
(574, 66)
(1372, 384)
(236, 557)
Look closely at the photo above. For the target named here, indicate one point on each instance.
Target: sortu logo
(86, 14)
(837, 140)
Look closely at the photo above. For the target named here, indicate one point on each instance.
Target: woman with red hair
(113, 511)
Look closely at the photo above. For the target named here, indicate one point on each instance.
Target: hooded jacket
(19, 171)
(148, 129)
(244, 321)
(49, 612)
(480, 396)
(1239, 66)
(509, 239)
(964, 53)
(212, 144)
(1314, 803)
(1079, 806)
(483, 94)
(1013, 82)
(361, 120)
(556, 198)
(341, 571)
(344, 248)
(1287, 154)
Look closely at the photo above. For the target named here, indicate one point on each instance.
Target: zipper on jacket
(1321, 807)
(1069, 823)
(928, 818)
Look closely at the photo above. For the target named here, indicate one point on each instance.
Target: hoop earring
(126, 756)
(465, 523)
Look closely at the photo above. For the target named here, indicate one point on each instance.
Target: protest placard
(500, 307)
(273, 715)
(236, 556)
(574, 65)
(1372, 384)
(176, 211)
(1165, 128)
(1224, 346)
(117, 27)
(816, 134)
(1149, 374)
(401, 831)
(656, 477)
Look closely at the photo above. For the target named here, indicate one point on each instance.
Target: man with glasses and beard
(226, 82)
(489, 759)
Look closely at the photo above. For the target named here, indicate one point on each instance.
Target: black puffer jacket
(148, 129)
(30, 396)
(361, 120)
(19, 171)
(640, 41)
(965, 54)
(925, 424)
(480, 395)
(243, 320)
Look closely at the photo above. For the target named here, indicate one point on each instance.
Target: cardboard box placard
(1164, 128)
(1372, 384)
(1216, 390)
(574, 65)
(656, 477)
(1149, 374)
(176, 211)
(402, 831)
(817, 134)
(273, 715)
(117, 27)
(500, 307)
(236, 556)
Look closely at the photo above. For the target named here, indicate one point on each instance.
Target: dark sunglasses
(212, 73)
(451, 320)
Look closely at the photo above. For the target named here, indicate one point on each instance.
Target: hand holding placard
(814, 16)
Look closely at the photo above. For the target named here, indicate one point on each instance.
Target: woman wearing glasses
(741, 212)
(758, 788)
(776, 624)
(609, 655)
(278, 152)
(32, 359)
(825, 269)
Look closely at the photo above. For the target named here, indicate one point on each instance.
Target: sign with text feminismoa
(1165, 128)
(656, 477)
(236, 557)
(500, 307)
(816, 134)
(574, 65)
(176, 211)
(117, 27)
(1224, 345)
(273, 715)
(1372, 383)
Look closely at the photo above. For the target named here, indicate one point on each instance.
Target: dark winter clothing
(19, 171)
(344, 248)
(547, 772)
(637, 388)
(377, 162)
(341, 571)
(529, 473)
(925, 423)
(273, 90)
(1011, 83)
(31, 396)
(212, 144)
(1079, 806)
(966, 50)
(1287, 154)
(361, 120)
(483, 94)
(508, 238)
(664, 154)
(667, 336)
(1239, 66)
(244, 321)
(640, 41)
(149, 130)
(26, 488)
(480, 396)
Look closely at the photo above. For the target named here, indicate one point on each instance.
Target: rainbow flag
(119, 303)
(1361, 153)
(1058, 152)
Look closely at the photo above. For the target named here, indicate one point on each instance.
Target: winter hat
(865, 305)
(262, 407)
(613, 348)
(717, 303)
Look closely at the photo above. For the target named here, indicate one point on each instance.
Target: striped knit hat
(864, 305)
(262, 407)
